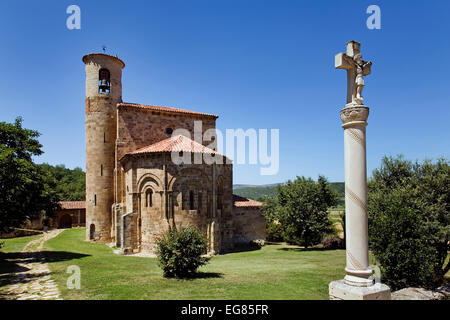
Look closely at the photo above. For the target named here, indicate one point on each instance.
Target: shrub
(248, 246)
(409, 221)
(332, 242)
(180, 252)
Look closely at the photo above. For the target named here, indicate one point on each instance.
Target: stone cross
(356, 70)
(358, 282)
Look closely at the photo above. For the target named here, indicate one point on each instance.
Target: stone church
(135, 192)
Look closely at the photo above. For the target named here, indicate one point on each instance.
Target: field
(277, 271)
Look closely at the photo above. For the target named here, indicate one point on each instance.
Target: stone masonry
(135, 192)
(33, 281)
(101, 131)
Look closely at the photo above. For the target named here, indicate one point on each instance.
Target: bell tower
(103, 92)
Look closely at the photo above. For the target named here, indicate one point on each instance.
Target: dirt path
(32, 280)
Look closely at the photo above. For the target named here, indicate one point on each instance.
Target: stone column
(357, 236)
(358, 284)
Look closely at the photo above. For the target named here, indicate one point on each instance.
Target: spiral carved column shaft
(354, 123)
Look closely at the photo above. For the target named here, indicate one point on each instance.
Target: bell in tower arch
(104, 81)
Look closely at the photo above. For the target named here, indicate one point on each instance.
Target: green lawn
(9, 253)
(16, 244)
(274, 272)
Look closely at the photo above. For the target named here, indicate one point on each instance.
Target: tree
(270, 209)
(71, 184)
(25, 190)
(302, 210)
(274, 230)
(409, 221)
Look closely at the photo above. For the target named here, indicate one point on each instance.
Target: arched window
(171, 204)
(191, 200)
(149, 198)
(169, 131)
(220, 197)
(104, 81)
(92, 231)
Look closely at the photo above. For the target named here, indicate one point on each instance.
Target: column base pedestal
(339, 290)
(355, 281)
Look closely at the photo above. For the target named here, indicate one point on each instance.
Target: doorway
(65, 221)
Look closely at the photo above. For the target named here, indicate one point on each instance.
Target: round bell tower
(103, 92)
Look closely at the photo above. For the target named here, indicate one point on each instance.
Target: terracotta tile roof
(239, 201)
(65, 205)
(178, 143)
(166, 109)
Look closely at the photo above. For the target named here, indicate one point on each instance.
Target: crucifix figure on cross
(356, 68)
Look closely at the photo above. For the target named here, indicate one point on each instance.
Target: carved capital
(354, 114)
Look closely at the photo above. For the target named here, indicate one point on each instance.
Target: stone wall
(141, 127)
(19, 233)
(196, 195)
(128, 233)
(101, 132)
(77, 218)
(249, 224)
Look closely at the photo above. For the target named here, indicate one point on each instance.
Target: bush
(409, 221)
(332, 242)
(248, 246)
(180, 252)
(274, 232)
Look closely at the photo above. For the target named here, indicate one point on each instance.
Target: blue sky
(257, 64)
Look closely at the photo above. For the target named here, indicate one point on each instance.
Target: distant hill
(269, 190)
(239, 186)
(338, 187)
(255, 192)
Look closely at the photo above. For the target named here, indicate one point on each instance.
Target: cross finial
(356, 68)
